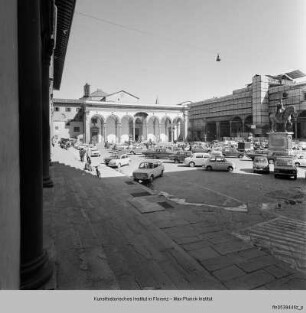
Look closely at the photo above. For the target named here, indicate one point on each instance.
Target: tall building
(247, 109)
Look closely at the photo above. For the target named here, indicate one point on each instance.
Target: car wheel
(176, 161)
(132, 152)
(275, 176)
(151, 179)
(230, 169)
(254, 171)
(135, 179)
(240, 156)
(297, 164)
(162, 173)
(208, 168)
(191, 164)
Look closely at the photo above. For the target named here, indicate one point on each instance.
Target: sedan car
(119, 160)
(261, 164)
(232, 152)
(94, 152)
(179, 156)
(300, 160)
(148, 170)
(196, 159)
(285, 166)
(157, 153)
(218, 164)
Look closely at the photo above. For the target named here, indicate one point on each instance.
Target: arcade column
(47, 48)
(35, 268)
(87, 126)
(133, 130)
(218, 130)
(119, 132)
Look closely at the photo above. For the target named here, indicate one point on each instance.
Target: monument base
(280, 141)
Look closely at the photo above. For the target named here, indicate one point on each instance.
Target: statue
(282, 116)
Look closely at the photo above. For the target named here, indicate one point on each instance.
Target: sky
(167, 49)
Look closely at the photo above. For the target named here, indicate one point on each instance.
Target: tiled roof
(98, 93)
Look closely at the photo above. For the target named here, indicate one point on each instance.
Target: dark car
(158, 153)
(180, 156)
(273, 155)
(285, 166)
(261, 164)
(232, 152)
(255, 153)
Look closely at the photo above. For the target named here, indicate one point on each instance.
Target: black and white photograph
(153, 155)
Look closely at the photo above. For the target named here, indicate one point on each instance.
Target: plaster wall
(9, 152)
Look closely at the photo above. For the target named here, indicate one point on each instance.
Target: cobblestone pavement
(110, 233)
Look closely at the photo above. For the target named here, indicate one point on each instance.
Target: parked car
(159, 153)
(232, 152)
(272, 155)
(261, 164)
(179, 156)
(196, 159)
(94, 152)
(136, 149)
(148, 170)
(113, 155)
(218, 164)
(285, 166)
(252, 154)
(300, 160)
(119, 160)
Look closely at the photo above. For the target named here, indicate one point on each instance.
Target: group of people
(88, 166)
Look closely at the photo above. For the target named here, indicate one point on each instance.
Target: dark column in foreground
(47, 50)
(35, 266)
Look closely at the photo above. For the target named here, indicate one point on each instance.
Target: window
(76, 129)
(56, 109)
(67, 109)
(305, 96)
(56, 127)
(199, 156)
(285, 95)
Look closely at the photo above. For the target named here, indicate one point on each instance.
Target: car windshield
(145, 165)
(284, 162)
(260, 160)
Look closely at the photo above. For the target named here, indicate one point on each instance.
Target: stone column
(218, 130)
(87, 127)
(230, 128)
(35, 268)
(119, 132)
(104, 132)
(133, 130)
(147, 129)
(186, 122)
(47, 182)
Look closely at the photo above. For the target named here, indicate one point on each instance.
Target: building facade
(117, 118)
(247, 110)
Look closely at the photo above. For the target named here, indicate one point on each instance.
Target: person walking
(82, 154)
(98, 173)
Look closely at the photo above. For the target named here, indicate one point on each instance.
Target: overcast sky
(167, 48)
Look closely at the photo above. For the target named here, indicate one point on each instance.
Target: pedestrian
(82, 154)
(98, 173)
(88, 159)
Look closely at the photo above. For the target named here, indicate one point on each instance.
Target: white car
(94, 152)
(300, 160)
(148, 170)
(196, 159)
(119, 160)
